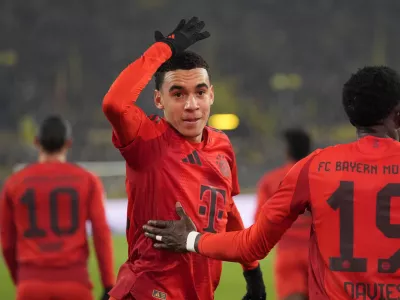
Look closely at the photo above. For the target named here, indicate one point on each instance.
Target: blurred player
(44, 209)
(353, 191)
(174, 158)
(291, 262)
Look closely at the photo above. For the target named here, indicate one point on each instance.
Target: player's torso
(355, 203)
(50, 208)
(201, 180)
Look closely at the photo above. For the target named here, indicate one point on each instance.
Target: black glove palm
(255, 285)
(184, 35)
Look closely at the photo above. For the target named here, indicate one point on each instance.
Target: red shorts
(60, 290)
(291, 272)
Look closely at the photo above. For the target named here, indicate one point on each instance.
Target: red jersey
(298, 235)
(353, 193)
(161, 169)
(44, 209)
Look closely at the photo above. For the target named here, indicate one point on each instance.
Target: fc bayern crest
(223, 165)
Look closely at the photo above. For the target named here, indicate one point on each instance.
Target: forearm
(118, 103)
(244, 246)
(235, 223)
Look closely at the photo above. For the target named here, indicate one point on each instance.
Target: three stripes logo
(193, 158)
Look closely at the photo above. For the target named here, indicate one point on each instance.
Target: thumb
(180, 211)
(158, 36)
(182, 214)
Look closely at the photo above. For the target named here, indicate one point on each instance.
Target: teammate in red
(291, 262)
(174, 158)
(43, 213)
(353, 193)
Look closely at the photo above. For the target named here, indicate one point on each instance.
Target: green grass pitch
(232, 285)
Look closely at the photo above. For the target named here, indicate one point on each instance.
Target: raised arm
(119, 103)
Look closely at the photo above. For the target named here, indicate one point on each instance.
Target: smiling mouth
(191, 121)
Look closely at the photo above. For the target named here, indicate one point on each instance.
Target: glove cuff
(253, 272)
(171, 44)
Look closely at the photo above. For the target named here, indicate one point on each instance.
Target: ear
(158, 99)
(397, 119)
(211, 95)
(68, 144)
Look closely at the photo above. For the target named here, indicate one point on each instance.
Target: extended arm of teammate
(276, 216)
(101, 235)
(235, 223)
(8, 233)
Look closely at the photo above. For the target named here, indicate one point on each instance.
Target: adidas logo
(193, 158)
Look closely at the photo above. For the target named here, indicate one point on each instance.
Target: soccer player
(174, 158)
(353, 193)
(291, 261)
(43, 213)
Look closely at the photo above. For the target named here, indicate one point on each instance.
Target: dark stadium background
(274, 64)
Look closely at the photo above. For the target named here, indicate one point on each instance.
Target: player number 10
(34, 231)
(343, 200)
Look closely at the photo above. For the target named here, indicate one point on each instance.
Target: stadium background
(274, 64)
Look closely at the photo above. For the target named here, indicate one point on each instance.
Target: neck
(196, 139)
(377, 131)
(54, 157)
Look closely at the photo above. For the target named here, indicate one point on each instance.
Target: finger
(202, 35)
(153, 230)
(160, 246)
(151, 236)
(200, 25)
(193, 20)
(158, 36)
(180, 25)
(158, 223)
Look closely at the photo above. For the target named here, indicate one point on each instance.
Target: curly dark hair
(185, 60)
(370, 95)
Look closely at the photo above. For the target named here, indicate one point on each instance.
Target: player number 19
(343, 200)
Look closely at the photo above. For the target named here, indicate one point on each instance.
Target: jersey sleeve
(101, 233)
(235, 223)
(134, 134)
(277, 215)
(8, 232)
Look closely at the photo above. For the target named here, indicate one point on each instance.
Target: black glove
(184, 35)
(255, 285)
(105, 295)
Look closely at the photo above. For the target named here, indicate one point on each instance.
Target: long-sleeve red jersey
(353, 192)
(162, 168)
(43, 214)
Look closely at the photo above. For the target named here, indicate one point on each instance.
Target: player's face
(186, 97)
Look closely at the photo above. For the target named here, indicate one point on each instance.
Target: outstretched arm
(276, 216)
(248, 245)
